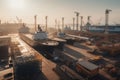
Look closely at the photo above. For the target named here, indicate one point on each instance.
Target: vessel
(39, 40)
(69, 39)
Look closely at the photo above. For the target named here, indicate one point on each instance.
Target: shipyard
(46, 40)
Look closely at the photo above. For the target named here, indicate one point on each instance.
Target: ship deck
(46, 42)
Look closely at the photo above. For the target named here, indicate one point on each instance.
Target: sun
(17, 4)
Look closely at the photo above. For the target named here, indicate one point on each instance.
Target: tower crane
(73, 23)
(81, 23)
(88, 23)
(62, 23)
(77, 18)
(106, 19)
(35, 22)
(89, 19)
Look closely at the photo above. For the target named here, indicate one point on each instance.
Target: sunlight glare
(17, 4)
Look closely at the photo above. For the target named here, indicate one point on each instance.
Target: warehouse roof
(88, 65)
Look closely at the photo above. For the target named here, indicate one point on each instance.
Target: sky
(56, 9)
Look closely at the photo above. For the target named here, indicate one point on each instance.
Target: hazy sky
(55, 9)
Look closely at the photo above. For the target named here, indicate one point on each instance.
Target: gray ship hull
(44, 46)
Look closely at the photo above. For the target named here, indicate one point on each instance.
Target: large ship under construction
(39, 41)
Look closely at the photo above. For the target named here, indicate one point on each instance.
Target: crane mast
(88, 23)
(62, 23)
(81, 23)
(35, 19)
(46, 18)
(106, 19)
(73, 23)
(77, 20)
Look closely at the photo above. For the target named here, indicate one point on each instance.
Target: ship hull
(60, 41)
(38, 45)
(28, 40)
(69, 40)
